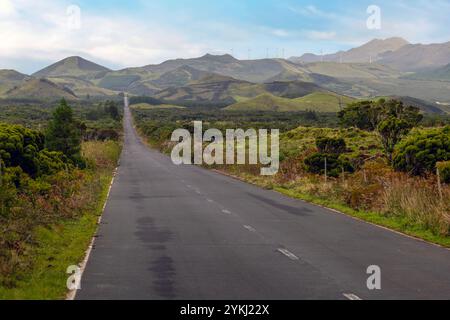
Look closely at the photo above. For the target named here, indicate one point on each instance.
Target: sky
(119, 34)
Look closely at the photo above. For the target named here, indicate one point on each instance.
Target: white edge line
(288, 254)
(351, 296)
(250, 228)
(334, 211)
(71, 295)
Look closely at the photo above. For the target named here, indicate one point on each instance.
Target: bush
(51, 162)
(331, 145)
(315, 163)
(444, 171)
(19, 147)
(419, 153)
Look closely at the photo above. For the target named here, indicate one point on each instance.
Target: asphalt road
(183, 232)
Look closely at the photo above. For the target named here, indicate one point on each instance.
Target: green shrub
(444, 171)
(419, 153)
(331, 145)
(315, 163)
(19, 147)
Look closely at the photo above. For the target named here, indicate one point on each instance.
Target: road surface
(183, 232)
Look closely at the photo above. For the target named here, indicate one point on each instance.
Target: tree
(390, 118)
(330, 149)
(419, 153)
(112, 109)
(64, 133)
(331, 145)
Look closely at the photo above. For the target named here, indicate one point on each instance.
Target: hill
(10, 79)
(352, 70)
(40, 89)
(317, 101)
(71, 67)
(418, 57)
(437, 74)
(248, 70)
(366, 53)
(226, 90)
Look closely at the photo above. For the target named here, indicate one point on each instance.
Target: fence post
(438, 175)
(343, 176)
(326, 177)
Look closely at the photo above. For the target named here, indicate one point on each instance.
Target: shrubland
(52, 185)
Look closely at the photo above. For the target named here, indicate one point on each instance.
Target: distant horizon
(200, 56)
(120, 34)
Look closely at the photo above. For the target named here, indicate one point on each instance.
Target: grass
(317, 101)
(64, 243)
(400, 224)
(147, 106)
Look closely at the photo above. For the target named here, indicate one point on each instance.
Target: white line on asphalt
(351, 296)
(226, 211)
(71, 295)
(288, 254)
(209, 200)
(249, 228)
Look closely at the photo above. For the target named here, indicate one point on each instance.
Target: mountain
(225, 90)
(10, 79)
(40, 89)
(436, 74)
(248, 70)
(424, 106)
(352, 70)
(418, 57)
(317, 101)
(71, 67)
(366, 53)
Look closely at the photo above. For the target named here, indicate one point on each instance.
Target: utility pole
(438, 174)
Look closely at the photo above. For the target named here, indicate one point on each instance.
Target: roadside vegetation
(375, 160)
(53, 185)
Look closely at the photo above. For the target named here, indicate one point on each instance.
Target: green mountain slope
(40, 89)
(71, 67)
(317, 101)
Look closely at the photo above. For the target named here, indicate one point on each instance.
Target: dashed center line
(351, 296)
(288, 254)
(226, 211)
(249, 228)
(209, 200)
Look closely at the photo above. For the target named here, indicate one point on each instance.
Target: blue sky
(132, 33)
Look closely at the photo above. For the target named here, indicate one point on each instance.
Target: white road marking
(71, 295)
(226, 211)
(351, 296)
(209, 200)
(288, 254)
(249, 228)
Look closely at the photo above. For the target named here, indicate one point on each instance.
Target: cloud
(320, 35)
(6, 8)
(40, 32)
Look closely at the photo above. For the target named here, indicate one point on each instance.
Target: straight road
(183, 232)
